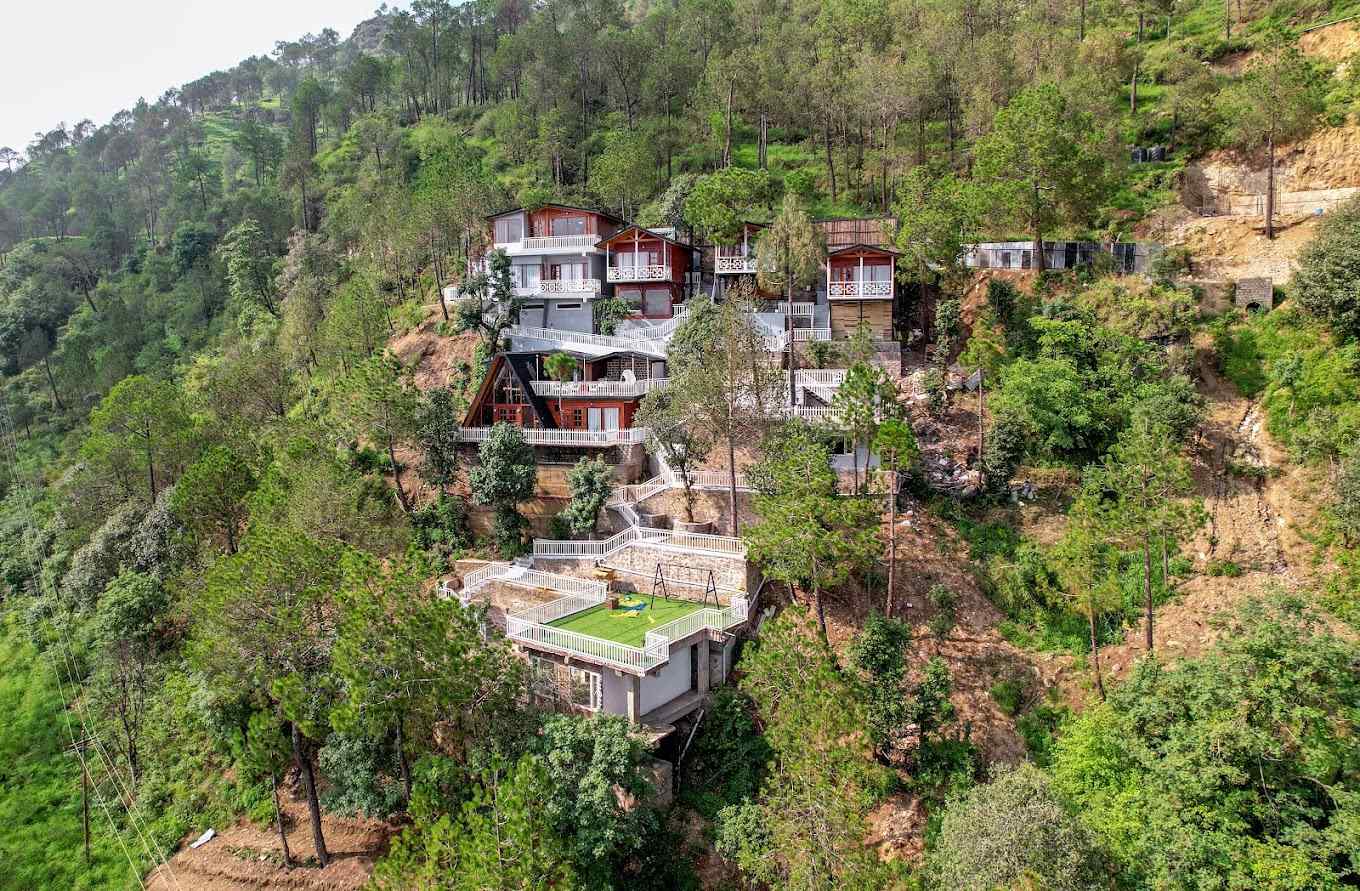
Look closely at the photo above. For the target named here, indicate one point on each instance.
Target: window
(577, 418)
(585, 690)
(565, 306)
(509, 229)
(568, 226)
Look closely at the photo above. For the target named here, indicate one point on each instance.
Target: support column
(703, 685)
(634, 698)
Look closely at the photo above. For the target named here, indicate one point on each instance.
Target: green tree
(265, 626)
(623, 173)
(501, 838)
(1082, 563)
(408, 662)
(1015, 832)
(722, 375)
(590, 481)
(1327, 283)
(251, 267)
(1279, 99)
(561, 367)
(211, 496)
(807, 536)
(718, 204)
(376, 401)
(807, 830)
(1147, 476)
(505, 475)
(1347, 507)
(683, 444)
(127, 629)
(789, 254)
(897, 450)
(437, 429)
(864, 398)
(141, 423)
(1042, 163)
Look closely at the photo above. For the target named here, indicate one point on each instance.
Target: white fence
(598, 388)
(860, 289)
(650, 345)
(734, 265)
(694, 542)
(570, 286)
(550, 243)
(541, 436)
(638, 273)
(510, 574)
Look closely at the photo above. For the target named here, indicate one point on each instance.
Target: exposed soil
(246, 857)
(436, 360)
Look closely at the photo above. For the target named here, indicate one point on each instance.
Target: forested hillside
(1124, 649)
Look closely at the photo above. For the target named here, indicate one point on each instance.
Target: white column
(860, 286)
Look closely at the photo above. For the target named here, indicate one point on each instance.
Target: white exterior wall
(670, 681)
(614, 691)
(581, 320)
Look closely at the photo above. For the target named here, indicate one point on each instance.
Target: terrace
(627, 627)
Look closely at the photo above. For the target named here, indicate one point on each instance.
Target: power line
(89, 734)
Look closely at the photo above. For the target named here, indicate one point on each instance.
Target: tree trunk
(830, 163)
(396, 477)
(52, 382)
(1038, 232)
(1270, 185)
(278, 820)
(1147, 589)
(821, 614)
(727, 138)
(788, 322)
(892, 545)
(732, 482)
(981, 377)
(1081, 23)
(1095, 654)
(304, 764)
(1227, 20)
(764, 140)
(1166, 571)
(1133, 89)
(404, 762)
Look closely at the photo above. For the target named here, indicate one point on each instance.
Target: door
(611, 419)
(593, 419)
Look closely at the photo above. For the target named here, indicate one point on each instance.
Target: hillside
(382, 490)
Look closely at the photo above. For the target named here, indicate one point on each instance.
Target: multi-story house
(649, 269)
(556, 263)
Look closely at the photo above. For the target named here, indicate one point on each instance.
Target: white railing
(608, 341)
(638, 273)
(777, 342)
(598, 388)
(576, 644)
(656, 643)
(570, 286)
(692, 542)
(860, 289)
(510, 574)
(714, 479)
(826, 377)
(544, 613)
(632, 494)
(799, 309)
(731, 265)
(812, 413)
(542, 436)
(549, 243)
(662, 330)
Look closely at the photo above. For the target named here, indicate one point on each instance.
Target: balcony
(618, 389)
(639, 274)
(569, 286)
(734, 265)
(550, 244)
(557, 437)
(859, 290)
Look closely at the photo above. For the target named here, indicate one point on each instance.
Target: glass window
(657, 302)
(568, 226)
(509, 229)
(586, 689)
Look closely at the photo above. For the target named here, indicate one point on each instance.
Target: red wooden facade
(647, 269)
(506, 395)
(551, 220)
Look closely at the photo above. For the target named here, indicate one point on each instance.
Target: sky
(65, 60)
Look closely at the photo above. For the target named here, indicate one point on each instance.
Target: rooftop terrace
(627, 627)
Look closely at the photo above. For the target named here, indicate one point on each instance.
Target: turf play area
(626, 626)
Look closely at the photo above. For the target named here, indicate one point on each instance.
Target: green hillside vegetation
(223, 499)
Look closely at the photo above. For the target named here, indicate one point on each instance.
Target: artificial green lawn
(627, 628)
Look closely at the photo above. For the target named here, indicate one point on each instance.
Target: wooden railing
(598, 388)
(639, 273)
(541, 436)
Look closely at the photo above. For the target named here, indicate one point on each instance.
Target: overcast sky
(64, 60)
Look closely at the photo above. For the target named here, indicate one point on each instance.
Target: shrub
(1009, 694)
(1014, 832)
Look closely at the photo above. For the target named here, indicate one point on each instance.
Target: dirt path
(246, 857)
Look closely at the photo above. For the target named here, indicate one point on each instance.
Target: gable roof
(603, 213)
(634, 227)
(518, 365)
(867, 248)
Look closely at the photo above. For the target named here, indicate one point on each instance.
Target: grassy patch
(625, 626)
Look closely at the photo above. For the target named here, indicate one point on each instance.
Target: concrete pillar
(702, 664)
(634, 698)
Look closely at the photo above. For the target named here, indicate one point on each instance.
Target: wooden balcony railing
(734, 265)
(859, 289)
(570, 286)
